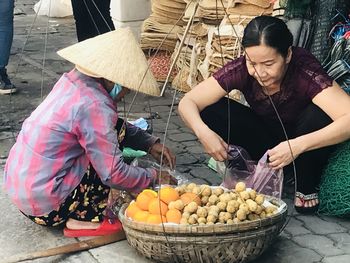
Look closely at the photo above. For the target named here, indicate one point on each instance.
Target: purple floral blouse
(304, 79)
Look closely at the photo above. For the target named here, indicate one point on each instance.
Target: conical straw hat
(115, 56)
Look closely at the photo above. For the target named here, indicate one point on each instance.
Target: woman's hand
(213, 144)
(281, 155)
(169, 158)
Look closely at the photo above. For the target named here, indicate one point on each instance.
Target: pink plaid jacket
(72, 127)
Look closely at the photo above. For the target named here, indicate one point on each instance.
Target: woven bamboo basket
(217, 243)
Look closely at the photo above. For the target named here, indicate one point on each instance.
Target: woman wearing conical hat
(67, 157)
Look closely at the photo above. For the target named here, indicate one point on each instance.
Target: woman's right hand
(213, 144)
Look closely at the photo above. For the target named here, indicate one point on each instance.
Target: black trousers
(92, 17)
(251, 132)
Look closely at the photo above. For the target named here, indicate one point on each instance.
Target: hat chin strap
(87, 72)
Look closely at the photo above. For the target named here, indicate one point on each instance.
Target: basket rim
(204, 229)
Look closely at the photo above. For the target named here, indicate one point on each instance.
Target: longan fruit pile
(220, 206)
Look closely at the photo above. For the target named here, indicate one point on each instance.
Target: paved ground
(306, 239)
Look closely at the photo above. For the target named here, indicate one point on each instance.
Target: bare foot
(309, 203)
(76, 224)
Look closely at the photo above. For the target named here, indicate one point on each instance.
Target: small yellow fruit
(240, 187)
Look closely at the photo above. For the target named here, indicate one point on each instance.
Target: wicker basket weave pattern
(213, 243)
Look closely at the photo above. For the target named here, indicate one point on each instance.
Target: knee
(214, 112)
(312, 119)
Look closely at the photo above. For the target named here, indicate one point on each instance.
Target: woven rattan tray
(217, 243)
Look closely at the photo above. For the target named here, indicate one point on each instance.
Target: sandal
(304, 198)
(107, 227)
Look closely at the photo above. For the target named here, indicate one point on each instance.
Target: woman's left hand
(281, 155)
(168, 157)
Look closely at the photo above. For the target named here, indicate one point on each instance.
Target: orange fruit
(157, 207)
(141, 216)
(173, 216)
(190, 197)
(156, 219)
(168, 194)
(132, 209)
(143, 199)
(150, 192)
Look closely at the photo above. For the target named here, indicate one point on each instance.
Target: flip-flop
(106, 228)
(303, 198)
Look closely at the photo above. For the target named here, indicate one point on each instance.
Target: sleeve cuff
(152, 141)
(152, 177)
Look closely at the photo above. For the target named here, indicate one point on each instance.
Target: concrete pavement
(306, 239)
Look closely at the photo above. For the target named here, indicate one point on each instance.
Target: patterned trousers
(87, 202)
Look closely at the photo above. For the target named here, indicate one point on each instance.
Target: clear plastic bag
(116, 199)
(145, 162)
(258, 176)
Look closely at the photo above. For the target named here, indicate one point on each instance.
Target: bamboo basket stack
(161, 28)
(159, 35)
(210, 42)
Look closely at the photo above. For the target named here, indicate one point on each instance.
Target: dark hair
(270, 31)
